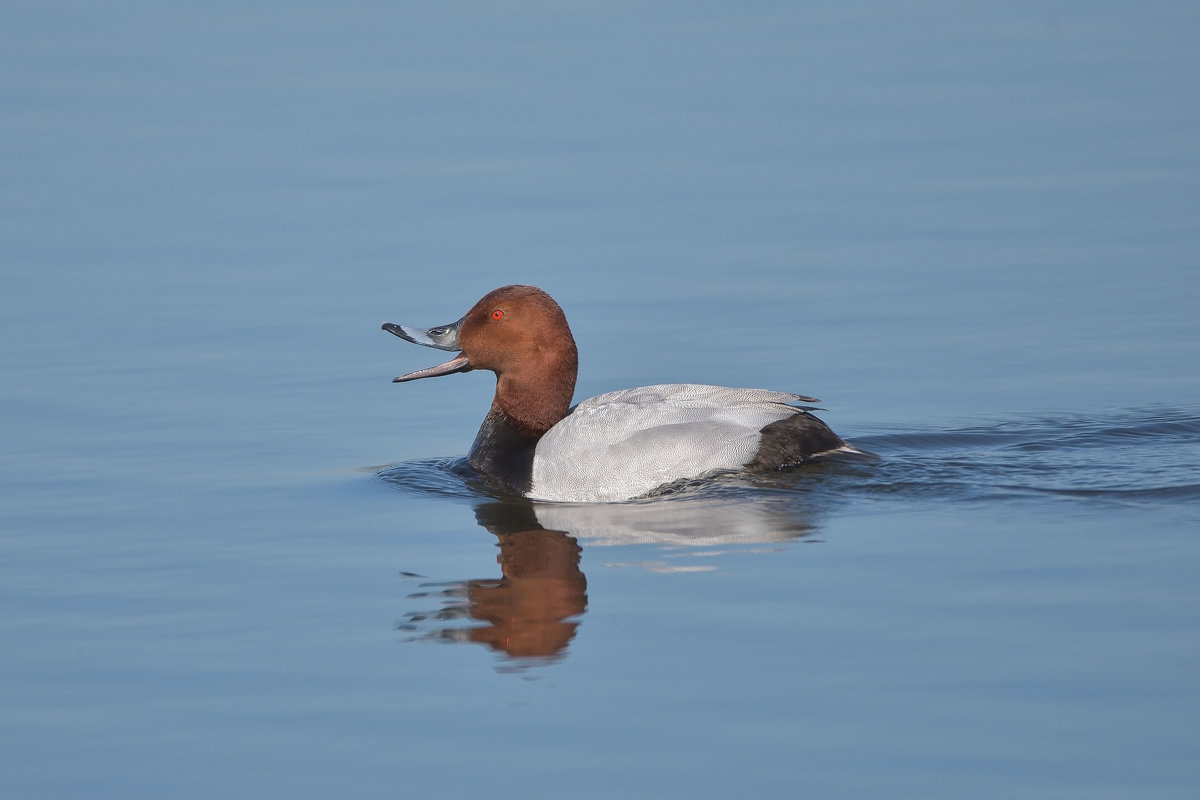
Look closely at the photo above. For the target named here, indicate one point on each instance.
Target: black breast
(503, 453)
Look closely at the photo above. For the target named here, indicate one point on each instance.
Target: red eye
(498, 314)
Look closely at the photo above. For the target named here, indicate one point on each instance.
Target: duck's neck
(523, 409)
(534, 403)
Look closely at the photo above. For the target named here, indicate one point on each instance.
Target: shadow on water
(532, 611)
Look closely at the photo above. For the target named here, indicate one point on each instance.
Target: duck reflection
(533, 611)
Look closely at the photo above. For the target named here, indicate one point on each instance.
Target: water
(236, 560)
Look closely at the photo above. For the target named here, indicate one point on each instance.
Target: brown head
(519, 333)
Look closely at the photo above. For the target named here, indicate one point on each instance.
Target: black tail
(799, 439)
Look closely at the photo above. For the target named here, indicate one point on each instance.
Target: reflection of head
(527, 610)
(530, 611)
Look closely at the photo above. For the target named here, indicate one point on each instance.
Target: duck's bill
(459, 363)
(443, 337)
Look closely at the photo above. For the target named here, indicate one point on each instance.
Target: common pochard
(615, 446)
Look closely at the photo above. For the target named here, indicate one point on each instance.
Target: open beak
(443, 337)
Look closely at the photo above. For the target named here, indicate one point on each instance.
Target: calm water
(235, 560)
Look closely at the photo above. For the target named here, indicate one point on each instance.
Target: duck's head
(519, 333)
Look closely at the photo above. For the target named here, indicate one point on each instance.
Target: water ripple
(1139, 456)
(437, 477)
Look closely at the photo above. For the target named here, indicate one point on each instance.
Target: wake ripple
(1131, 456)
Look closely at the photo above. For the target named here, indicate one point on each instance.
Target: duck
(614, 447)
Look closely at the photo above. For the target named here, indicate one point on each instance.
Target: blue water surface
(236, 561)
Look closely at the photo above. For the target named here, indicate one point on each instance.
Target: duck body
(614, 446)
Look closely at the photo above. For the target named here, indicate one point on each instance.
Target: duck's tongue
(444, 337)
